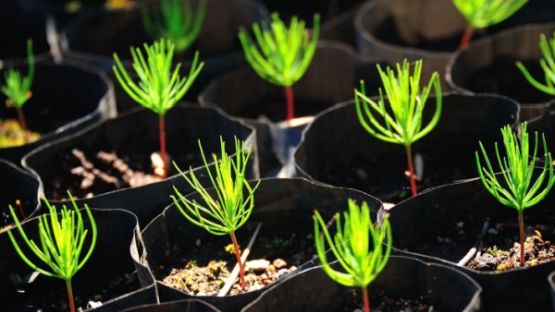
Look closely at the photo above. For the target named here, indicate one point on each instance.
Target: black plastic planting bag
(136, 133)
(66, 98)
(190, 305)
(330, 79)
(94, 38)
(328, 9)
(20, 190)
(551, 281)
(403, 277)
(444, 223)
(336, 149)
(488, 65)
(16, 26)
(108, 274)
(285, 208)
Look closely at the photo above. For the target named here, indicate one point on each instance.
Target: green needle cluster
(175, 22)
(547, 64)
(17, 88)
(484, 13)
(281, 54)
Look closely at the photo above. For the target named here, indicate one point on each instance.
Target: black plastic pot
(110, 272)
(66, 98)
(96, 37)
(429, 227)
(190, 305)
(488, 65)
(403, 277)
(551, 281)
(135, 134)
(328, 9)
(16, 26)
(18, 186)
(284, 206)
(330, 79)
(545, 124)
(336, 150)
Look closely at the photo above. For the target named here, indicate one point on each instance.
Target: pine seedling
(231, 205)
(400, 121)
(17, 87)
(159, 87)
(280, 54)
(361, 248)
(547, 63)
(518, 188)
(176, 22)
(481, 14)
(61, 253)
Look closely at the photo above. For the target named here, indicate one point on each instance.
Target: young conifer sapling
(281, 54)
(517, 186)
(62, 251)
(17, 87)
(398, 117)
(176, 22)
(159, 87)
(361, 248)
(228, 207)
(547, 63)
(481, 14)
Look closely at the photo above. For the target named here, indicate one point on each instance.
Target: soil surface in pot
(56, 299)
(274, 108)
(383, 303)
(274, 255)
(503, 77)
(86, 173)
(12, 134)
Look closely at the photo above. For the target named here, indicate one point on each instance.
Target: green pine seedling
(547, 64)
(159, 87)
(61, 252)
(484, 13)
(230, 208)
(400, 121)
(176, 22)
(17, 88)
(280, 54)
(358, 246)
(517, 188)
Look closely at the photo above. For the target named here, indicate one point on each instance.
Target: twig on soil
(233, 276)
(474, 249)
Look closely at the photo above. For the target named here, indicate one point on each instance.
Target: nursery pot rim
(362, 31)
(19, 170)
(161, 304)
(551, 280)
(473, 302)
(183, 105)
(103, 101)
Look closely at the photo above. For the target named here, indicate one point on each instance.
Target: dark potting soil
(212, 259)
(536, 251)
(274, 108)
(86, 173)
(383, 303)
(56, 299)
(503, 77)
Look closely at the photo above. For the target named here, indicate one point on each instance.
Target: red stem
(365, 299)
(465, 40)
(238, 256)
(290, 100)
(412, 178)
(521, 230)
(21, 117)
(162, 130)
(70, 301)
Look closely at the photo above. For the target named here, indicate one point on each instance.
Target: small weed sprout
(280, 54)
(159, 87)
(358, 246)
(230, 207)
(484, 13)
(400, 121)
(517, 189)
(176, 22)
(18, 86)
(547, 63)
(62, 243)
